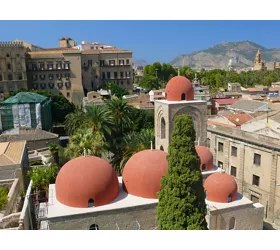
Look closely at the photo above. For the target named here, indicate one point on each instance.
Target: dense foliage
(216, 78)
(60, 105)
(115, 127)
(116, 90)
(182, 198)
(4, 191)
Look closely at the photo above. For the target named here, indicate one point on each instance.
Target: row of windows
(257, 157)
(255, 179)
(51, 85)
(11, 78)
(51, 76)
(122, 75)
(111, 62)
(49, 66)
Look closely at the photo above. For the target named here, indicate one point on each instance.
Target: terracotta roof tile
(239, 119)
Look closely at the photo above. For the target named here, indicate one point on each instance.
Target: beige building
(12, 67)
(56, 70)
(254, 161)
(101, 66)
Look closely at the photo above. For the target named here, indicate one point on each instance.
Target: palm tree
(99, 119)
(75, 120)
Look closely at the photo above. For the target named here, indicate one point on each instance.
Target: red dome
(85, 178)
(179, 88)
(206, 158)
(220, 187)
(143, 172)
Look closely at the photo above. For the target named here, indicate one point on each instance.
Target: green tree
(116, 90)
(75, 120)
(149, 82)
(182, 198)
(54, 149)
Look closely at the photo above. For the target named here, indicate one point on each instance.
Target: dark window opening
(233, 171)
(127, 61)
(233, 151)
(208, 142)
(230, 198)
(94, 227)
(19, 76)
(257, 159)
(90, 203)
(115, 75)
(108, 75)
(220, 147)
(161, 148)
(232, 223)
(203, 167)
(9, 66)
(7, 55)
(68, 94)
(183, 96)
(10, 77)
(220, 164)
(256, 180)
(163, 128)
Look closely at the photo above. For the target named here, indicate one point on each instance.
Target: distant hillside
(242, 54)
(139, 62)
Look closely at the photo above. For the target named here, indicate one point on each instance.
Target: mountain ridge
(241, 53)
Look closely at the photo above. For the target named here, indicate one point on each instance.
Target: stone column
(240, 169)
(271, 197)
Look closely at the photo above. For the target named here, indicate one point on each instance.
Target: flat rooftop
(124, 200)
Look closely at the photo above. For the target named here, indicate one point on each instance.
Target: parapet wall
(11, 44)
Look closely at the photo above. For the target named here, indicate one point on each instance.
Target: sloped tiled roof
(24, 97)
(226, 101)
(248, 105)
(239, 119)
(11, 152)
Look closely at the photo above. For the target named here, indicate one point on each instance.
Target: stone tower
(259, 64)
(179, 94)
(66, 42)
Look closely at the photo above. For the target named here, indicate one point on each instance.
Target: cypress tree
(182, 198)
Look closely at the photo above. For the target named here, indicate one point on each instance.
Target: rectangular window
(68, 94)
(115, 75)
(128, 74)
(121, 75)
(66, 65)
(112, 62)
(9, 66)
(10, 77)
(220, 147)
(50, 76)
(103, 75)
(233, 171)
(121, 62)
(19, 76)
(42, 66)
(256, 180)
(255, 199)
(234, 151)
(11, 89)
(67, 76)
(127, 61)
(59, 76)
(102, 62)
(208, 142)
(34, 77)
(34, 66)
(257, 159)
(108, 75)
(50, 66)
(1, 90)
(220, 164)
(59, 65)
(89, 62)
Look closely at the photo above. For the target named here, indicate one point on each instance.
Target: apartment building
(12, 67)
(58, 71)
(254, 161)
(100, 66)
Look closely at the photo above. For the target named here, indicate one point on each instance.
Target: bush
(4, 191)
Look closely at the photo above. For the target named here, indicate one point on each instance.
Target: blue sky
(149, 40)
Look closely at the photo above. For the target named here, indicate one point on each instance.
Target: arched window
(162, 128)
(203, 167)
(183, 96)
(94, 227)
(232, 223)
(230, 198)
(161, 148)
(90, 203)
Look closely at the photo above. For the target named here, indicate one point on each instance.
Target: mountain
(242, 54)
(139, 63)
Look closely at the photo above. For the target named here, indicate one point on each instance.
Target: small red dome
(143, 172)
(86, 178)
(221, 187)
(206, 158)
(179, 88)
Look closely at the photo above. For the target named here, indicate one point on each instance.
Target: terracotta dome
(143, 172)
(221, 187)
(86, 181)
(206, 158)
(179, 88)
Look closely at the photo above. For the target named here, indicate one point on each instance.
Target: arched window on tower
(183, 96)
(230, 198)
(94, 227)
(232, 223)
(162, 128)
(90, 203)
